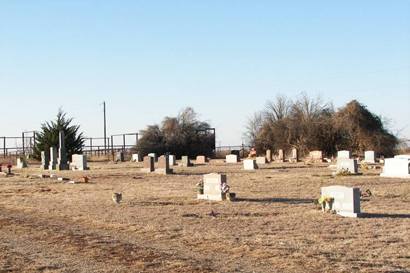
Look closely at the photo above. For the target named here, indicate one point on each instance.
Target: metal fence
(93, 146)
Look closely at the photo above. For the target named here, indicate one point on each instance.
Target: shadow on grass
(276, 200)
(385, 215)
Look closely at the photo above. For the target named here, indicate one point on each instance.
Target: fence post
(22, 137)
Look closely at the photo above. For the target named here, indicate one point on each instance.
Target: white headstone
(153, 155)
(185, 161)
(249, 164)
(78, 162)
(213, 187)
(402, 156)
(231, 159)
(369, 157)
(135, 158)
(344, 154)
(295, 156)
(53, 158)
(346, 200)
(398, 167)
(346, 165)
(172, 160)
(281, 156)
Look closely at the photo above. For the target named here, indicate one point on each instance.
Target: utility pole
(105, 130)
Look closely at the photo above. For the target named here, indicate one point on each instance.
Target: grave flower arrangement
(326, 201)
(200, 187)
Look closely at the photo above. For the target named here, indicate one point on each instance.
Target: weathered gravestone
(163, 165)
(231, 159)
(119, 156)
(148, 164)
(369, 157)
(62, 163)
(135, 158)
(315, 156)
(344, 154)
(21, 163)
(397, 167)
(200, 159)
(53, 158)
(294, 158)
(213, 185)
(269, 155)
(185, 162)
(249, 164)
(79, 162)
(346, 200)
(45, 160)
(281, 156)
(261, 160)
(345, 165)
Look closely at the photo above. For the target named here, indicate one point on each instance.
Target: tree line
(310, 124)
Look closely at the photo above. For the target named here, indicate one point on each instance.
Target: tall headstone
(79, 162)
(346, 200)
(397, 167)
(172, 160)
(148, 165)
(53, 158)
(346, 165)
(344, 154)
(213, 184)
(231, 159)
(249, 164)
(281, 156)
(269, 155)
(163, 165)
(369, 157)
(62, 154)
(295, 156)
(45, 160)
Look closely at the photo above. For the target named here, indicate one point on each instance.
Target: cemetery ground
(274, 226)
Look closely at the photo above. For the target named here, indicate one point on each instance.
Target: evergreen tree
(49, 133)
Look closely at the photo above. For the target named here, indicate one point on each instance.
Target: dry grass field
(50, 226)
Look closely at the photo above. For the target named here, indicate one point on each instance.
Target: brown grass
(48, 226)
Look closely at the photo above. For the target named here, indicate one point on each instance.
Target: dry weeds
(49, 226)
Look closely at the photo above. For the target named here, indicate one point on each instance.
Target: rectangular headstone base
(394, 175)
(218, 197)
(349, 214)
(164, 171)
(147, 170)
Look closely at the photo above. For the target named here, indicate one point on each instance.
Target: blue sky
(149, 59)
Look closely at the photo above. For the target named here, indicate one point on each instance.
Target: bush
(181, 135)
